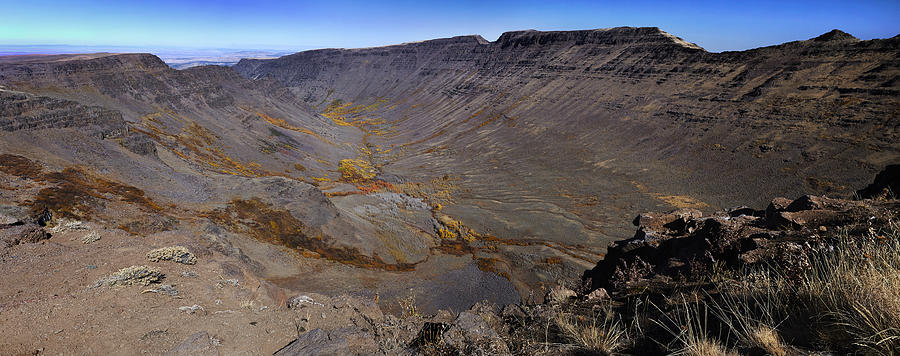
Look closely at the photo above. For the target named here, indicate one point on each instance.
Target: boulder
(885, 186)
(198, 344)
(471, 334)
(316, 342)
(598, 295)
(559, 294)
(11, 235)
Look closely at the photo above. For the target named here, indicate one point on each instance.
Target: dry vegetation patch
(178, 254)
(140, 275)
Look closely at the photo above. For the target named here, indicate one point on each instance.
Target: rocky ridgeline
(619, 36)
(683, 246)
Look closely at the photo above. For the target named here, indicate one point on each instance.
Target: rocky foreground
(163, 298)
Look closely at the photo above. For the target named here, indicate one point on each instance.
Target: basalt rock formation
(459, 168)
(684, 246)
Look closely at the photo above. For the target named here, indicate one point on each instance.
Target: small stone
(198, 344)
(91, 237)
(560, 294)
(194, 309)
(166, 289)
(598, 294)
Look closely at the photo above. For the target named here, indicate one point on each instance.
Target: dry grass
(848, 299)
(602, 333)
(846, 302)
(751, 310)
(408, 306)
(691, 335)
(856, 288)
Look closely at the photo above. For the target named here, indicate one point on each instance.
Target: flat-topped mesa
(434, 43)
(35, 67)
(146, 60)
(618, 36)
(466, 39)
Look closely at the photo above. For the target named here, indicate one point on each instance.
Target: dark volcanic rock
(886, 184)
(671, 247)
(317, 342)
(198, 344)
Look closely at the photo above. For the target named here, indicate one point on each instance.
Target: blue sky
(714, 25)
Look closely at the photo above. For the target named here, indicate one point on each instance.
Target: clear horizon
(297, 26)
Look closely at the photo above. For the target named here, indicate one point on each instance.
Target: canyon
(451, 170)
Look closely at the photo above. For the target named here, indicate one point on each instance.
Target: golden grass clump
(856, 288)
(602, 333)
(356, 170)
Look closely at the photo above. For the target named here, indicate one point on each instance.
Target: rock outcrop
(22, 111)
(683, 246)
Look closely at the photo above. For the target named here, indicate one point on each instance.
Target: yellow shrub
(356, 170)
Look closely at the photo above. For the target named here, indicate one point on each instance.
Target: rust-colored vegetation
(553, 260)
(19, 166)
(373, 187)
(490, 265)
(265, 223)
(74, 192)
